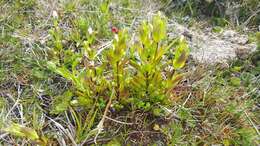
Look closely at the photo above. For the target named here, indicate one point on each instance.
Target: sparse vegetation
(234, 12)
(107, 72)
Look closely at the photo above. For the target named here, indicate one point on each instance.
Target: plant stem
(147, 84)
(117, 80)
(156, 51)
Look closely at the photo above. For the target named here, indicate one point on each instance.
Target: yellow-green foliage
(136, 71)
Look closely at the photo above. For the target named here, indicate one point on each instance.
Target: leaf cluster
(139, 68)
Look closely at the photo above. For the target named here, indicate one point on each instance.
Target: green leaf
(157, 111)
(235, 81)
(185, 114)
(159, 55)
(51, 65)
(114, 142)
(82, 24)
(74, 65)
(144, 33)
(217, 29)
(120, 44)
(104, 7)
(61, 103)
(159, 27)
(85, 101)
(181, 54)
(36, 72)
(226, 142)
(135, 65)
(177, 133)
(63, 71)
(21, 131)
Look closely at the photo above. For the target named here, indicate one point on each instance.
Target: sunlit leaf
(235, 81)
(21, 131)
(119, 46)
(159, 27)
(144, 33)
(104, 7)
(181, 54)
(63, 71)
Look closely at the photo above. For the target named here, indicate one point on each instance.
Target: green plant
(22, 131)
(151, 84)
(138, 72)
(92, 86)
(174, 132)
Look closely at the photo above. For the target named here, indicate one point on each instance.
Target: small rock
(228, 33)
